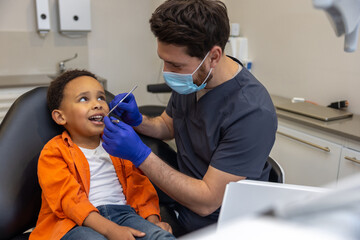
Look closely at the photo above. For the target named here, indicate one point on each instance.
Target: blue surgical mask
(184, 83)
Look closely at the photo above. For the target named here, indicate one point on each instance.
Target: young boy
(86, 193)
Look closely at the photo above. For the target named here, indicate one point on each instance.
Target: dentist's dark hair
(55, 91)
(197, 24)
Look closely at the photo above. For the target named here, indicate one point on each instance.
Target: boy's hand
(155, 220)
(109, 229)
(165, 226)
(123, 233)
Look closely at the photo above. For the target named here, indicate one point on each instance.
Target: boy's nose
(97, 105)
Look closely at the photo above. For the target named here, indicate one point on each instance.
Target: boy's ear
(58, 117)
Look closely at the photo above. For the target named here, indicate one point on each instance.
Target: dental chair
(26, 128)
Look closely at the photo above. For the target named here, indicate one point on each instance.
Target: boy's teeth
(96, 118)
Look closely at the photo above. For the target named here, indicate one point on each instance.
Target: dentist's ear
(58, 117)
(215, 55)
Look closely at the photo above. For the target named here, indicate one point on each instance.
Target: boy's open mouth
(96, 118)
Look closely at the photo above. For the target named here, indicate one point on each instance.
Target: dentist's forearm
(156, 127)
(193, 193)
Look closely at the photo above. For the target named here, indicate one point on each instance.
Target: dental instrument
(122, 100)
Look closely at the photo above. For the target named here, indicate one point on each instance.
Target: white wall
(292, 45)
(120, 47)
(123, 49)
(295, 51)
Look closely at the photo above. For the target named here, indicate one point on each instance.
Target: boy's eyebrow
(82, 93)
(87, 92)
(102, 92)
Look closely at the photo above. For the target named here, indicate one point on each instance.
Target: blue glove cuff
(142, 156)
(138, 121)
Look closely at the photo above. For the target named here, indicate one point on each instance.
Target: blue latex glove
(127, 110)
(120, 140)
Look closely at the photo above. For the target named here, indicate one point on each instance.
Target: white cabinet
(8, 97)
(306, 159)
(349, 163)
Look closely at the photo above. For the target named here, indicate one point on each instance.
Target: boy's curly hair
(55, 91)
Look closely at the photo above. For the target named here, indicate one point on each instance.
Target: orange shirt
(64, 177)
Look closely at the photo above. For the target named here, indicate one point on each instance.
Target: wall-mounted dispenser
(74, 16)
(42, 16)
(239, 50)
(237, 46)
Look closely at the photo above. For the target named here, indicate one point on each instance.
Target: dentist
(221, 116)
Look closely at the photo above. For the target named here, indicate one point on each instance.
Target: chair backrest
(152, 110)
(277, 173)
(26, 128)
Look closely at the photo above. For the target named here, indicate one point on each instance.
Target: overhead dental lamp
(344, 16)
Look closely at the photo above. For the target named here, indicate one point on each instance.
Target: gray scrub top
(231, 128)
